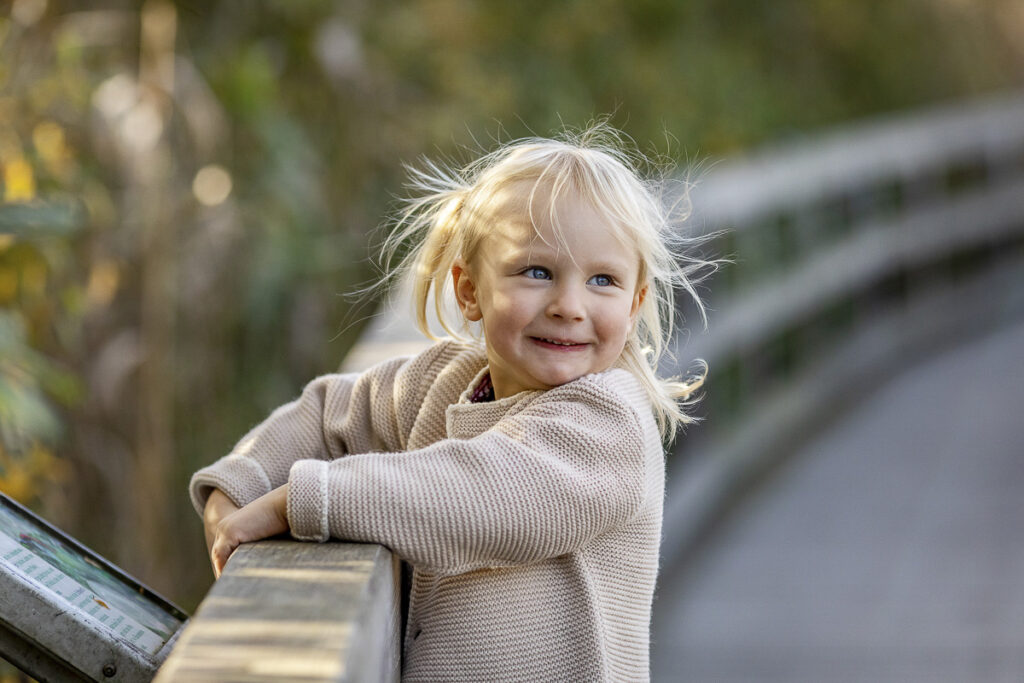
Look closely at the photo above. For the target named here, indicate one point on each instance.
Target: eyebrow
(526, 255)
(518, 253)
(609, 266)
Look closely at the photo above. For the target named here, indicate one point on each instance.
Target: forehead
(525, 212)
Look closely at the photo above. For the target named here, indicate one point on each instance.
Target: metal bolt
(109, 670)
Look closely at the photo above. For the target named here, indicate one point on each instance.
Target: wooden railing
(290, 611)
(852, 255)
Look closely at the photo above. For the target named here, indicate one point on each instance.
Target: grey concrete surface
(891, 548)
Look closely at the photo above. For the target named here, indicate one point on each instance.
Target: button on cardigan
(532, 523)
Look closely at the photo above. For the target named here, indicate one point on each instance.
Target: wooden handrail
(905, 147)
(289, 611)
(876, 249)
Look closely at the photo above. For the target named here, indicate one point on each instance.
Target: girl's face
(552, 310)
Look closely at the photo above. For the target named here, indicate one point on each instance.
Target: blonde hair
(444, 221)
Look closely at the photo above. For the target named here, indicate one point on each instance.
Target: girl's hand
(264, 517)
(218, 506)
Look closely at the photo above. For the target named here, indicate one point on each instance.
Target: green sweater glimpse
(532, 523)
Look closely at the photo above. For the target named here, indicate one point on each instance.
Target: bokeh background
(191, 190)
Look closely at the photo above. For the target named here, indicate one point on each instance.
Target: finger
(221, 554)
(222, 549)
(218, 562)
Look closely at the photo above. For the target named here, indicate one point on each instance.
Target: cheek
(503, 316)
(619, 317)
(512, 305)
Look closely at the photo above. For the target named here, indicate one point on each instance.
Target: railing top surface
(284, 610)
(904, 146)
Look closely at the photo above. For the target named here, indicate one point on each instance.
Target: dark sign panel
(92, 597)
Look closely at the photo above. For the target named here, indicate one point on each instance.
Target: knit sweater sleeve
(336, 415)
(540, 483)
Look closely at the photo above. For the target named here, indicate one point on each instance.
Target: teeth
(552, 341)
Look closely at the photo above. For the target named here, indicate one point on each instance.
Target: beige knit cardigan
(532, 523)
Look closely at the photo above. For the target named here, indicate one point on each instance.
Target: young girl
(521, 477)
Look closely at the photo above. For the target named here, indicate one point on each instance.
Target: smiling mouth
(557, 343)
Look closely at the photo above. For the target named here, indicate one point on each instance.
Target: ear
(465, 291)
(638, 300)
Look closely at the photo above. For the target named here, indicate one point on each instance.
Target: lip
(558, 344)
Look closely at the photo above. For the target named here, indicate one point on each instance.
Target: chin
(558, 379)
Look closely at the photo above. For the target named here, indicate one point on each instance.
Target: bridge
(849, 509)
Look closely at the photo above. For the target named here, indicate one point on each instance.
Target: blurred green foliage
(149, 315)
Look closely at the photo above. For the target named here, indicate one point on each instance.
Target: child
(522, 478)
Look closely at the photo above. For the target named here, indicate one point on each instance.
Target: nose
(566, 303)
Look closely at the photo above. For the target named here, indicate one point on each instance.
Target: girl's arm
(334, 416)
(259, 462)
(539, 484)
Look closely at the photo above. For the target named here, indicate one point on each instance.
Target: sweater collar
(466, 419)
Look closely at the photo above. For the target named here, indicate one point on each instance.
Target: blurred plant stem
(150, 193)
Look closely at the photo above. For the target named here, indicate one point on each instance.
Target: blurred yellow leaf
(49, 141)
(103, 280)
(24, 475)
(16, 483)
(8, 284)
(19, 181)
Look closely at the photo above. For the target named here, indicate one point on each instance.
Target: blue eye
(601, 281)
(537, 273)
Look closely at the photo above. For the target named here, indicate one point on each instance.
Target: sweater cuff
(307, 501)
(241, 479)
